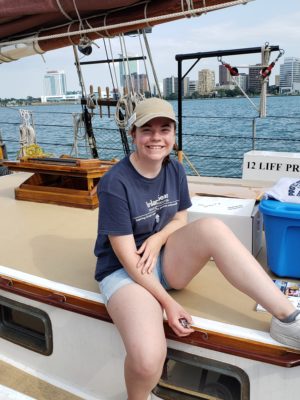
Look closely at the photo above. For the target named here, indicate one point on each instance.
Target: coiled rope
(27, 133)
(78, 133)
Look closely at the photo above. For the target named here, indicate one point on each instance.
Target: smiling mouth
(155, 147)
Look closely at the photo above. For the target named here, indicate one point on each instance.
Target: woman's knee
(209, 222)
(149, 363)
(210, 226)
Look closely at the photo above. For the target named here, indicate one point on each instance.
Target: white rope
(128, 76)
(151, 63)
(79, 72)
(128, 24)
(114, 67)
(190, 7)
(113, 62)
(91, 102)
(144, 61)
(105, 28)
(145, 14)
(98, 33)
(78, 126)
(125, 106)
(69, 34)
(191, 165)
(27, 131)
(265, 59)
(78, 15)
(234, 80)
(244, 93)
(63, 11)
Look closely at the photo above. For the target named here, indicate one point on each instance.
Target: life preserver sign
(270, 165)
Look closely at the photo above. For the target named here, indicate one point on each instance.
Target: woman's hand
(149, 252)
(178, 319)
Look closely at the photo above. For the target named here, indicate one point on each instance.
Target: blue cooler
(282, 230)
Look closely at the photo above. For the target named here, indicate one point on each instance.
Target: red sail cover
(21, 19)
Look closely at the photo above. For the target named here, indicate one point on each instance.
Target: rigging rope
(114, 67)
(234, 73)
(126, 66)
(190, 7)
(79, 72)
(109, 67)
(151, 63)
(144, 61)
(61, 9)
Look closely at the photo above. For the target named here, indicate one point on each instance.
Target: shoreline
(64, 103)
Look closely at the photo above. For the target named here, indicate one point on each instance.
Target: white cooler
(242, 216)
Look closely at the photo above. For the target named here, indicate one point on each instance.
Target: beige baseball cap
(149, 109)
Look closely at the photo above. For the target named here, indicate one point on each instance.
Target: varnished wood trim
(267, 353)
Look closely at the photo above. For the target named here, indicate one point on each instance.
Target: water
(216, 132)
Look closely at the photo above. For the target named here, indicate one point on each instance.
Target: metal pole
(219, 53)
(179, 102)
(253, 133)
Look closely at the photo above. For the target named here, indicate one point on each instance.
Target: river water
(216, 132)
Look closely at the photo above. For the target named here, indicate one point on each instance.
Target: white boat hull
(87, 359)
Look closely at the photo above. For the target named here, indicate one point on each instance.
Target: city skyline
(137, 78)
(251, 25)
(288, 81)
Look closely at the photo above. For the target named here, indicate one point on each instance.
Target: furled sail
(30, 27)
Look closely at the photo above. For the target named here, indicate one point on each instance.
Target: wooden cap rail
(277, 355)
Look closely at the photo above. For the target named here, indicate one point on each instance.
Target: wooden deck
(55, 243)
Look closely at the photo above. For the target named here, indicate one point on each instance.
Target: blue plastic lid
(280, 209)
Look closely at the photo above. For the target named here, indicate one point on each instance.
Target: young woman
(145, 247)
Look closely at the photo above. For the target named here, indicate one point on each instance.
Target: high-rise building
(254, 80)
(193, 85)
(290, 75)
(139, 82)
(127, 69)
(170, 86)
(55, 83)
(242, 81)
(206, 81)
(186, 86)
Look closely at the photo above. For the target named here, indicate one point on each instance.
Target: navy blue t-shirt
(132, 204)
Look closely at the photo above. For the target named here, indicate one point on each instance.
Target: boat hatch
(189, 377)
(26, 326)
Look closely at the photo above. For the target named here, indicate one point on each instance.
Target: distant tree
(172, 96)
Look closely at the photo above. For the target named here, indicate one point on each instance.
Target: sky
(243, 26)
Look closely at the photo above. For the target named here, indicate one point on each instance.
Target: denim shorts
(111, 283)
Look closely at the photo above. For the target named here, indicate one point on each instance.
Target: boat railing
(216, 145)
(212, 145)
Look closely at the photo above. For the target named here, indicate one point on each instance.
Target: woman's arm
(125, 249)
(150, 249)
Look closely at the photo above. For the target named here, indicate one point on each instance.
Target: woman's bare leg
(188, 249)
(138, 317)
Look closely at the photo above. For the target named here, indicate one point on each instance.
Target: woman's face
(155, 140)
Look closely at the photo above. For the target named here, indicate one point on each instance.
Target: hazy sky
(251, 25)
